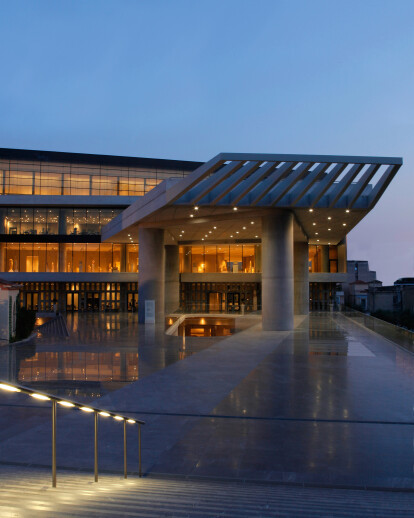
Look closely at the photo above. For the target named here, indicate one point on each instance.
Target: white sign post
(150, 311)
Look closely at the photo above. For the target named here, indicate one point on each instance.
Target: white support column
(151, 271)
(172, 278)
(277, 268)
(301, 278)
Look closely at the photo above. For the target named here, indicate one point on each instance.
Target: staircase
(28, 492)
(54, 327)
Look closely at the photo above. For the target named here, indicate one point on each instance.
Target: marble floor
(330, 403)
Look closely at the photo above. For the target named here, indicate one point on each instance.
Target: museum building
(239, 233)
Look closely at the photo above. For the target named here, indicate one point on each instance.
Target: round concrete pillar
(172, 278)
(301, 278)
(277, 271)
(151, 271)
(325, 258)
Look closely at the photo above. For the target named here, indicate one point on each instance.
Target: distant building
(398, 298)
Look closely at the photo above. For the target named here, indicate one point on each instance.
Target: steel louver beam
(344, 184)
(357, 189)
(219, 192)
(249, 183)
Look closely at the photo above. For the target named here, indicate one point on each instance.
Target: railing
(10, 387)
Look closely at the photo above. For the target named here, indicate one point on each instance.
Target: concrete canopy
(328, 195)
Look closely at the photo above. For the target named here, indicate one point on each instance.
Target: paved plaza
(329, 404)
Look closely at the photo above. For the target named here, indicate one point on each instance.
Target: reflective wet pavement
(330, 403)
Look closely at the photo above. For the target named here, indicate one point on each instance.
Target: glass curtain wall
(79, 179)
(220, 258)
(75, 257)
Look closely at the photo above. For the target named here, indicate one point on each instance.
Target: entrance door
(233, 301)
(214, 302)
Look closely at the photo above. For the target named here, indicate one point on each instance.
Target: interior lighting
(214, 228)
(131, 421)
(313, 223)
(252, 223)
(196, 208)
(66, 403)
(118, 418)
(237, 231)
(244, 228)
(347, 210)
(329, 229)
(231, 235)
(86, 409)
(234, 208)
(256, 236)
(104, 414)
(9, 388)
(310, 210)
(202, 239)
(40, 396)
(329, 217)
(316, 233)
(182, 232)
(209, 231)
(344, 224)
(191, 215)
(317, 240)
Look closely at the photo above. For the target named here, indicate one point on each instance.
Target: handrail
(67, 403)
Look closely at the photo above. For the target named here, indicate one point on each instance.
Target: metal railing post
(96, 448)
(53, 443)
(125, 450)
(139, 450)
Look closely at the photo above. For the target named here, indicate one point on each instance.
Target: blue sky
(188, 79)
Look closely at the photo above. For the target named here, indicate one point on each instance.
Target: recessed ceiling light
(347, 210)
(313, 223)
(316, 233)
(214, 228)
(202, 239)
(231, 235)
(237, 231)
(234, 208)
(256, 236)
(252, 223)
(209, 231)
(344, 224)
(317, 240)
(310, 210)
(205, 235)
(191, 215)
(329, 229)
(182, 232)
(329, 217)
(196, 208)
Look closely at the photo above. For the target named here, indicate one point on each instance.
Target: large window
(42, 220)
(74, 257)
(237, 258)
(47, 178)
(323, 259)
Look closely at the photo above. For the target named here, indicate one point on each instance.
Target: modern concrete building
(241, 232)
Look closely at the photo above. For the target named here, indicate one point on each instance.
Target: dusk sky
(189, 79)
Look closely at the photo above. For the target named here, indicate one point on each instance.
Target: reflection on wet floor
(103, 353)
(207, 326)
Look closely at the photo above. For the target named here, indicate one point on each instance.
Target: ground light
(10, 387)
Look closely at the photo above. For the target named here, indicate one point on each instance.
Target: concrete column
(172, 278)
(187, 259)
(258, 258)
(277, 271)
(151, 271)
(301, 278)
(325, 258)
(342, 256)
(62, 265)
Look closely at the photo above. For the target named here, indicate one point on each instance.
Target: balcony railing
(10, 387)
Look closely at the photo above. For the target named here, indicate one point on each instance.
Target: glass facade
(323, 259)
(51, 221)
(69, 257)
(47, 178)
(220, 258)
